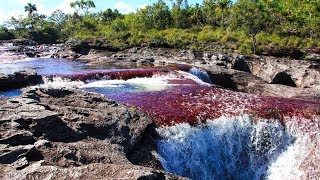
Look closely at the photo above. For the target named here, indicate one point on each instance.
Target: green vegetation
(5, 34)
(246, 26)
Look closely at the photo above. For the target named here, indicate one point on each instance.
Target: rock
(19, 80)
(42, 143)
(241, 64)
(302, 73)
(267, 68)
(233, 79)
(21, 163)
(90, 129)
(284, 78)
(246, 82)
(67, 53)
(284, 52)
(12, 56)
(24, 42)
(91, 171)
(16, 137)
(82, 152)
(312, 57)
(214, 58)
(279, 90)
(12, 154)
(300, 78)
(31, 54)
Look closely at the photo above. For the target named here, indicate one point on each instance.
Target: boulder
(298, 83)
(240, 64)
(295, 73)
(19, 80)
(66, 53)
(298, 77)
(232, 79)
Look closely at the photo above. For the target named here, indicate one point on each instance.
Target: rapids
(205, 132)
(226, 148)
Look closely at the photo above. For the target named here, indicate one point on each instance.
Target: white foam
(200, 74)
(147, 84)
(228, 147)
(301, 159)
(194, 78)
(287, 165)
(59, 82)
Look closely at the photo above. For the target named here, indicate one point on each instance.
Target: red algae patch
(124, 74)
(112, 74)
(190, 103)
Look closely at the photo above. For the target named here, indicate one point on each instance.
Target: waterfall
(200, 74)
(230, 148)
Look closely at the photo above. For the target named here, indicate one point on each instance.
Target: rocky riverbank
(71, 134)
(262, 75)
(22, 49)
(90, 137)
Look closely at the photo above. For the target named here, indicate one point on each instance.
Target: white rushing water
(204, 76)
(158, 82)
(59, 82)
(143, 84)
(237, 148)
(107, 86)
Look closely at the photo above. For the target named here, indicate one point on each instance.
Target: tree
(216, 11)
(109, 15)
(58, 17)
(30, 8)
(252, 16)
(196, 17)
(83, 5)
(156, 16)
(161, 15)
(210, 13)
(223, 4)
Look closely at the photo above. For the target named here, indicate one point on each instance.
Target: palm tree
(30, 8)
(84, 5)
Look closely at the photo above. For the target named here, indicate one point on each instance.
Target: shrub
(208, 34)
(5, 34)
(178, 38)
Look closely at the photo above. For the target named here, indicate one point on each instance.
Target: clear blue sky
(15, 8)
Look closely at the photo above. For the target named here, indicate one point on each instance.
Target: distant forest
(244, 26)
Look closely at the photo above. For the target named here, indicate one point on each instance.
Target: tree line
(244, 25)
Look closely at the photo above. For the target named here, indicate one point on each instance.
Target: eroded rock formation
(61, 133)
(19, 80)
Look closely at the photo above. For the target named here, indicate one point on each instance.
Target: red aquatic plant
(124, 74)
(187, 102)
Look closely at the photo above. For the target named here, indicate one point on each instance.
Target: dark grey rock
(19, 80)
